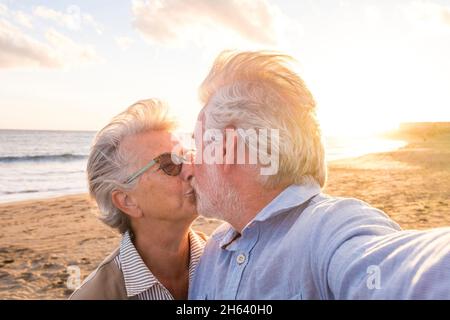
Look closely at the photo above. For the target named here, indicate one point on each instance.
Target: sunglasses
(170, 163)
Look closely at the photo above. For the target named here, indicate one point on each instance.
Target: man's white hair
(258, 90)
(109, 166)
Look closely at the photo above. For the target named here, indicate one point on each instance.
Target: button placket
(242, 259)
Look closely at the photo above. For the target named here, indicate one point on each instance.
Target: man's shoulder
(320, 209)
(325, 208)
(333, 203)
(329, 221)
(324, 216)
(105, 283)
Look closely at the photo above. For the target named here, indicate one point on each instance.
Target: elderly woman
(142, 189)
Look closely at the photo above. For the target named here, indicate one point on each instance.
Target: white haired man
(141, 190)
(285, 239)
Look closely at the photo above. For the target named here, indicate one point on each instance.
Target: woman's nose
(187, 171)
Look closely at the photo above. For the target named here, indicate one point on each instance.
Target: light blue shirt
(306, 245)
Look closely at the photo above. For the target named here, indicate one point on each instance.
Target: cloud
(3, 10)
(69, 52)
(177, 20)
(90, 21)
(67, 20)
(72, 19)
(18, 49)
(428, 16)
(445, 15)
(23, 19)
(19, 17)
(124, 42)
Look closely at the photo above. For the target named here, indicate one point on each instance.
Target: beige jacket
(105, 283)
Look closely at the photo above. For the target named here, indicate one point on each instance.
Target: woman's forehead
(150, 143)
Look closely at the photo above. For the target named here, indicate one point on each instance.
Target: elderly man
(137, 183)
(284, 239)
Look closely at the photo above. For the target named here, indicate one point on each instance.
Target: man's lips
(189, 193)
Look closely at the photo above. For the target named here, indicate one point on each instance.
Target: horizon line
(93, 130)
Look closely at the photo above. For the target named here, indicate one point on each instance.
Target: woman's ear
(126, 203)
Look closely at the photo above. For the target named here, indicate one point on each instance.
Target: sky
(73, 65)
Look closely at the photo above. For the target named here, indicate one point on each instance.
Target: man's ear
(126, 203)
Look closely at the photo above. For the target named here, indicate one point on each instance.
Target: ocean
(42, 164)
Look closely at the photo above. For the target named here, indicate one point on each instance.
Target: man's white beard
(218, 199)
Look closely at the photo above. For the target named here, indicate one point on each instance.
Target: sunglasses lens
(168, 166)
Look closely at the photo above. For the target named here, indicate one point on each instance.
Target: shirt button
(240, 258)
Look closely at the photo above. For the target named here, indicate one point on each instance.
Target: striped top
(139, 280)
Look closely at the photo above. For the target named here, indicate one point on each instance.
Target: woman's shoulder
(106, 282)
(202, 235)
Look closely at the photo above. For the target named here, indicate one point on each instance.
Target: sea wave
(52, 157)
(42, 190)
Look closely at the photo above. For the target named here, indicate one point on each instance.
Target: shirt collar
(138, 278)
(291, 197)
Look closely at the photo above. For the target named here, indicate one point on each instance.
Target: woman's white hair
(109, 166)
(258, 90)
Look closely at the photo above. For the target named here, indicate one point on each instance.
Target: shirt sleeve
(362, 254)
(406, 265)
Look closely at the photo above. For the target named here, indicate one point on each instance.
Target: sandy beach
(39, 239)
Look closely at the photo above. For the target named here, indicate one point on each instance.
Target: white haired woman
(142, 189)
